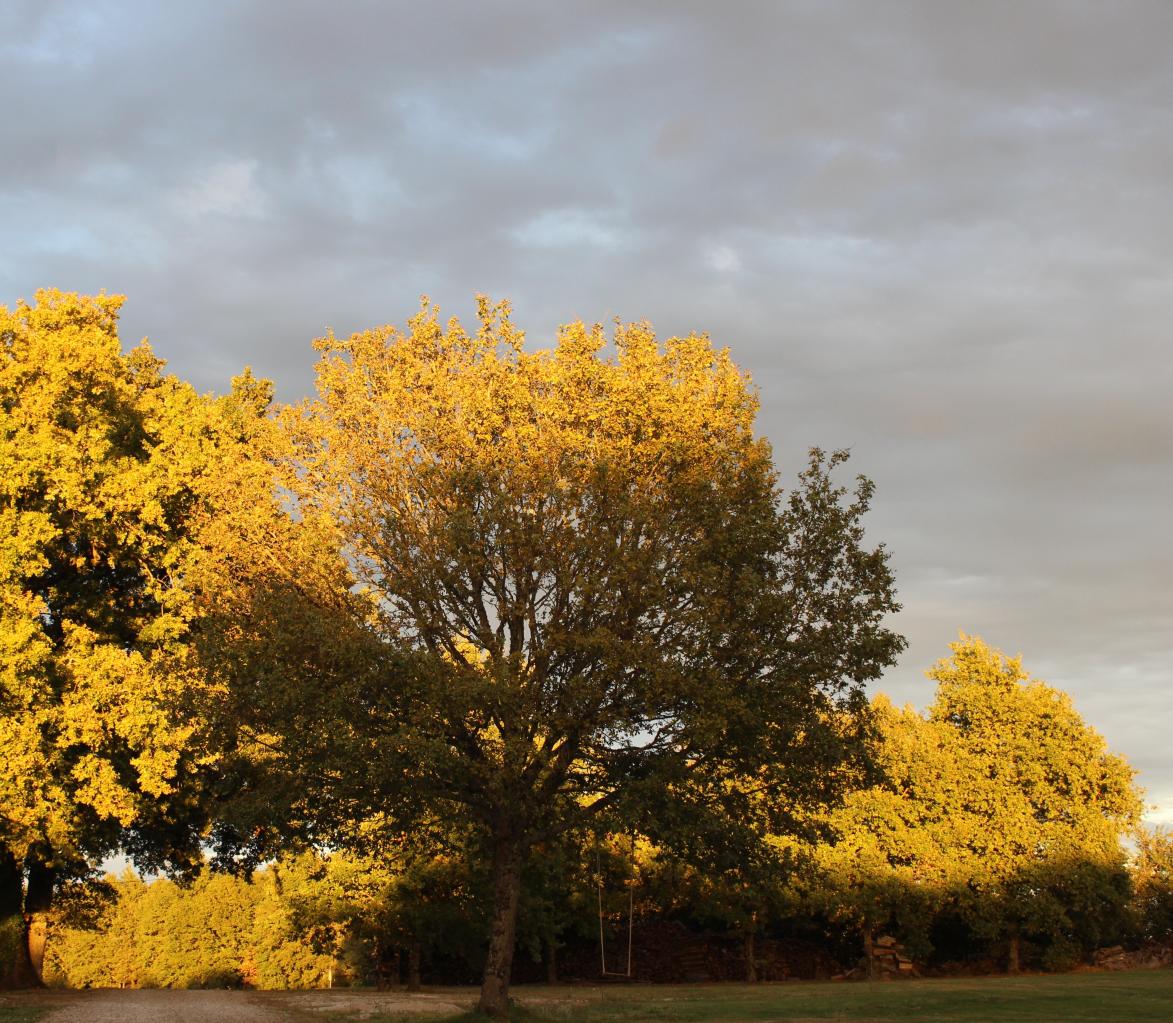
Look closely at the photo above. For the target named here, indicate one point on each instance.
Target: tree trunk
(1012, 956)
(751, 965)
(16, 971)
(414, 954)
(869, 952)
(499, 963)
(385, 966)
(38, 900)
(551, 961)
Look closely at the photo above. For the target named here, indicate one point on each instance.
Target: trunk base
(507, 857)
(1013, 957)
(16, 968)
(414, 954)
(751, 962)
(551, 962)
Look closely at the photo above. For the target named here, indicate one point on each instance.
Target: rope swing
(630, 912)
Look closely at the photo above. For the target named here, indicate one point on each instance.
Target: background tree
(1047, 807)
(999, 807)
(101, 462)
(577, 580)
(101, 951)
(886, 863)
(1153, 872)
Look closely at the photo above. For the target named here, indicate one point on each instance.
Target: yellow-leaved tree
(1046, 813)
(1001, 810)
(103, 463)
(560, 579)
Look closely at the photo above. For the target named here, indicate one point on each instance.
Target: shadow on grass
(1135, 997)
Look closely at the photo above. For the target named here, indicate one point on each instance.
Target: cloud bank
(939, 234)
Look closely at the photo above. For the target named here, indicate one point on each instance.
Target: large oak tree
(524, 586)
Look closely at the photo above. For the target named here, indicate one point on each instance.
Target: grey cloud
(938, 233)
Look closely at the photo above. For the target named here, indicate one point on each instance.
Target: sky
(937, 233)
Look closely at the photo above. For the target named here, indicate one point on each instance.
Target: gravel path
(167, 1007)
(162, 1006)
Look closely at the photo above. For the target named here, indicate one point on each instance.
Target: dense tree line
(1016, 861)
(466, 619)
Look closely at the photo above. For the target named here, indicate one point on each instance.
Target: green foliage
(475, 615)
(1046, 823)
(903, 854)
(287, 951)
(97, 453)
(219, 931)
(11, 937)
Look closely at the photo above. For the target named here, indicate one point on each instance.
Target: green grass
(1127, 997)
(1141, 996)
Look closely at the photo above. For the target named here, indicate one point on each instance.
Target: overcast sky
(940, 234)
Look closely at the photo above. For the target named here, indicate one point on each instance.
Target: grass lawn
(1143, 996)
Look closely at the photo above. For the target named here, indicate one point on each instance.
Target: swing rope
(630, 912)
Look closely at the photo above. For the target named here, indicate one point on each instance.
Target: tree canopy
(475, 629)
(1000, 806)
(566, 578)
(933, 855)
(101, 461)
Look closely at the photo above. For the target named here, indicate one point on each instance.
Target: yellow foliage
(106, 464)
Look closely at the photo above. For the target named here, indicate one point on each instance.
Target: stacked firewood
(1147, 957)
(889, 958)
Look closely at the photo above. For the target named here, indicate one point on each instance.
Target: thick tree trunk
(869, 952)
(38, 901)
(414, 954)
(499, 962)
(16, 971)
(1012, 957)
(751, 965)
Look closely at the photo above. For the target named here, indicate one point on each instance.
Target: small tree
(575, 579)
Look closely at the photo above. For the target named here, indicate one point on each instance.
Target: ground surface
(227, 1006)
(1126, 997)
(164, 1007)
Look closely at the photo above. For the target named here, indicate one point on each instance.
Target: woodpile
(1148, 957)
(888, 961)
